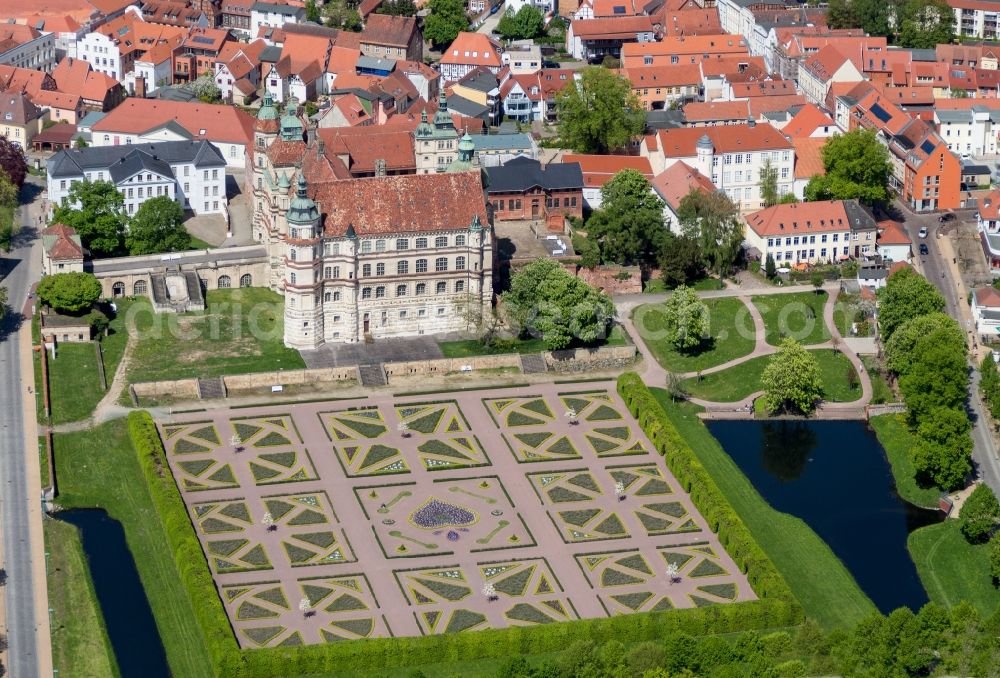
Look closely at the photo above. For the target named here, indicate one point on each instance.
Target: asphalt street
(14, 500)
(984, 453)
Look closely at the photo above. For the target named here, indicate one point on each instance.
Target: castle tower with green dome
(435, 144)
(302, 271)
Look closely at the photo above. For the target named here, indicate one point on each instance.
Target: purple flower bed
(435, 514)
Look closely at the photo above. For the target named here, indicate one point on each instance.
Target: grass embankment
(80, 644)
(821, 583)
(798, 315)
(881, 391)
(898, 443)
(98, 468)
(466, 348)
(707, 284)
(241, 331)
(739, 381)
(74, 375)
(952, 569)
(730, 325)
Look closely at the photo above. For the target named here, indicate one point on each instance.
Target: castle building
(358, 259)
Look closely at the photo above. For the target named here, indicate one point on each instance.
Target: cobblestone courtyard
(438, 513)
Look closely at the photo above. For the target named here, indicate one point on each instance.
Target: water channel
(834, 475)
(127, 615)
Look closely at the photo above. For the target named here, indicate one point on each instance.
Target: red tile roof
(612, 28)
(663, 76)
(806, 121)
(822, 216)
(678, 180)
(763, 88)
(383, 29)
(989, 205)
(825, 63)
(809, 157)
(761, 105)
(988, 297)
(892, 233)
(692, 22)
(473, 49)
(364, 145)
(680, 143)
(705, 111)
(213, 122)
(598, 169)
(409, 203)
(67, 245)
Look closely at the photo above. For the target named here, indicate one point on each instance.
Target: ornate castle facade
(359, 259)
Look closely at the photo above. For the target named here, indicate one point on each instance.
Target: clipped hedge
(776, 608)
(734, 535)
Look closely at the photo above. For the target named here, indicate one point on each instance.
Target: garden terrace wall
(775, 608)
(722, 519)
(237, 382)
(447, 365)
(584, 359)
(180, 389)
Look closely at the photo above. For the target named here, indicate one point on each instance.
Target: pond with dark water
(834, 475)
(127, 615)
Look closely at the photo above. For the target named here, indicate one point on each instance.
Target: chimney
(140, 87)
(380, 167)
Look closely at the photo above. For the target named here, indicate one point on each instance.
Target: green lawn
(952, 569)
(821, 583)
(199, 244)
(843, 313)
(43, 462)
(99, 468)
(881, 391)
(739, 381)
(80, 644)
(241, 331)
(465, 348)
(798, 315)
(731, 328)
(898, 442)
(657, 286)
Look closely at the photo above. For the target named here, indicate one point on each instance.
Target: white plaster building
(273, 15)
(102, 54)
(191, 172)
(970, 131)
(811, 232)
(27, 48)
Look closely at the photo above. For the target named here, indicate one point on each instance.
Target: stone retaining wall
(446, 365)
(242, 382)
(587, 359)
(180, 389)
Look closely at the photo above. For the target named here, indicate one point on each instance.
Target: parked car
(923, 249)
(923, 232)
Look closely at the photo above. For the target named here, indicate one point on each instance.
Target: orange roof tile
(892, 233)
(809, 157)
(822, 216)
(213, 122)
(680, 143)
(598, 169)
(806, 121)
(678, 180)
(710, 111)
(472, 49)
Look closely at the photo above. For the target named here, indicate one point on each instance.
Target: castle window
(366, 246)
(441, 264)
(336, 271)
(421, 243)
(460, 263)
(139, 287)
(327, 297)
(380, 292)
(441, 288)
(295, 234)
(402, 315)
(402, 244)
(400, 290)
(403, 267)
(441, 241)
(421, 289)
(366, 293)
(460, 240)
(379, 269)
(336, 248)
(292, 254)
(421, 265)
(380, 245)
(366, 270)
(224, 283)
(291, 279)
(246, 280)
(328, 272)
(336, 296)
(459, 285)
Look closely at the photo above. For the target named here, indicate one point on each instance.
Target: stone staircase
(372, 375)
(211, 388)
(533, 363)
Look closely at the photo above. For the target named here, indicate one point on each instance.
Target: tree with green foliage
(899, 355)
(398, 8)
(526, 24)
(989, 384)
(770, 270)
(69, 292)
(342, 15)
(158, 226)
(312, 12)
(995, 558)
(926, 24)
(96, 210)
(446, 20)
(9, 192)
(938, 377)
(840, 14)
(979, 514)
(599, 113)
(547, 301)
(588, 250)
(680, 260)
(629, 226)
(943, 451)
(856, 165)
(792, 379)
(769, 184)
(713, 221)
(685, 319)
(3, 302)
(906, 294)
(6, 235)
(13, 162)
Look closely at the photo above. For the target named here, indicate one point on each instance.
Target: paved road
(14, 499)
(937, 269)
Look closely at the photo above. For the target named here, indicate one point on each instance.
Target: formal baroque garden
(413, 516)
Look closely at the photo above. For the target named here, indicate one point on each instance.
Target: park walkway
(655, 375)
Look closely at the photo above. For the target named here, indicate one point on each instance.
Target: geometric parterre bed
(334, 521)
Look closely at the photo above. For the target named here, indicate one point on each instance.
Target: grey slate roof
(273, 8)
(469, 109)
(858, 218)
(522, 174)
(949, 115)
(501, 142)
(74, 162)
(375, 64)
(91, 119)
(135, 162)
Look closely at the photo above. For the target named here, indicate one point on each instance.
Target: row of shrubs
(776, 608)
(734, 535)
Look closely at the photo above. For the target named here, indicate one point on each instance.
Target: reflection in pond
(834, 475)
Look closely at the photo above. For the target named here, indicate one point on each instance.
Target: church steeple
(442, 119)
